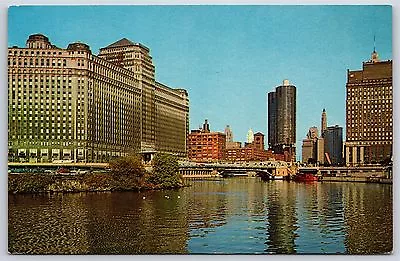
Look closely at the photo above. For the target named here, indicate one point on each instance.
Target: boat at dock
(305, 177)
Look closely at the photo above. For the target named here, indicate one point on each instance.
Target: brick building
(206, 146)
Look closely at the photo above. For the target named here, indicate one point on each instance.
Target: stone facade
(68, 104)
(369, 113)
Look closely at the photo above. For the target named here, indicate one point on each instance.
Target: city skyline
(247, 55)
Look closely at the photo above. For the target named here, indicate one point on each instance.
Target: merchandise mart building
(68, 104)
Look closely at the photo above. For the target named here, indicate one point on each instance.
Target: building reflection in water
(320, 218)
(281, 220)
(47, 224)
(138, 223)
(238, 215)
(369, 218)
(98, 223)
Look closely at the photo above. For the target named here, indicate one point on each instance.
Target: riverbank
(381, 180)
(91, 182)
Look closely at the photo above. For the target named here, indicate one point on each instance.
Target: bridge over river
(268, 170)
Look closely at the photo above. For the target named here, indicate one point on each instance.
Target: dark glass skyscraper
(282, 120)
(333, 144)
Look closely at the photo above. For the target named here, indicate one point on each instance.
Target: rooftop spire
(374, 55)
(374, 44)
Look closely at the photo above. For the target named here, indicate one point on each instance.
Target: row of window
(37, 62)
(31, 52)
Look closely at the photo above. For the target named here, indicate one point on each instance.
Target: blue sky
(230, 57)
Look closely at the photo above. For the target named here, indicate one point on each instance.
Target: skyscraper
(282, 120)
(324, 121)
(333, 144)
(369, 110)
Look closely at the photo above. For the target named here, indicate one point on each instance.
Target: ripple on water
(234, 216)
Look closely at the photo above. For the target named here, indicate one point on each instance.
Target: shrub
(128, 172)
(165, 173)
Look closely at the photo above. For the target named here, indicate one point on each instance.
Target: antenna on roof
(374, 44)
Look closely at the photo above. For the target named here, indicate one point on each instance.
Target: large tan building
(136, 57)
(68, 104)
(369, 113)
(172, 119)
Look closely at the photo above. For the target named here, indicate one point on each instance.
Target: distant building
(250, 136)
(253, 151)
(206, 127)
(369, 113)
(320, 153)
(228, 134)
(282, 120)
(248, 154)
(258, 141)
(230, 144)
(206, 146)
(307, 151)
(324, 121)
(233, 145)
(333, 144)
(309, 147)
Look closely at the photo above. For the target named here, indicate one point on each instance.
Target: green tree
(127, 172)
(165, 173)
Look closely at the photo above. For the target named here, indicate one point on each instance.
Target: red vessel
(305, 177)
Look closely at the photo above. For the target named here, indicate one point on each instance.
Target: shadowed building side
(282, 120)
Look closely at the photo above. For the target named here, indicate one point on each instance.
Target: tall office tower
(369, 112)
(68, 104)
(324, 121)
(136, 58)
(282, 119)
(228, 134)
(333, 144)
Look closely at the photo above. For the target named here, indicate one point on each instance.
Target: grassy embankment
(126, 173)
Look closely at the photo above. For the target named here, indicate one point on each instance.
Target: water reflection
(369, 218)
(238, 215)
(282, 220)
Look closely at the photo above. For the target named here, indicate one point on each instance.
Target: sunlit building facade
(206, 146)
(369, 113)
(68, 104)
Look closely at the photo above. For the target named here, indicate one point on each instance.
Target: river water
(229, 216)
